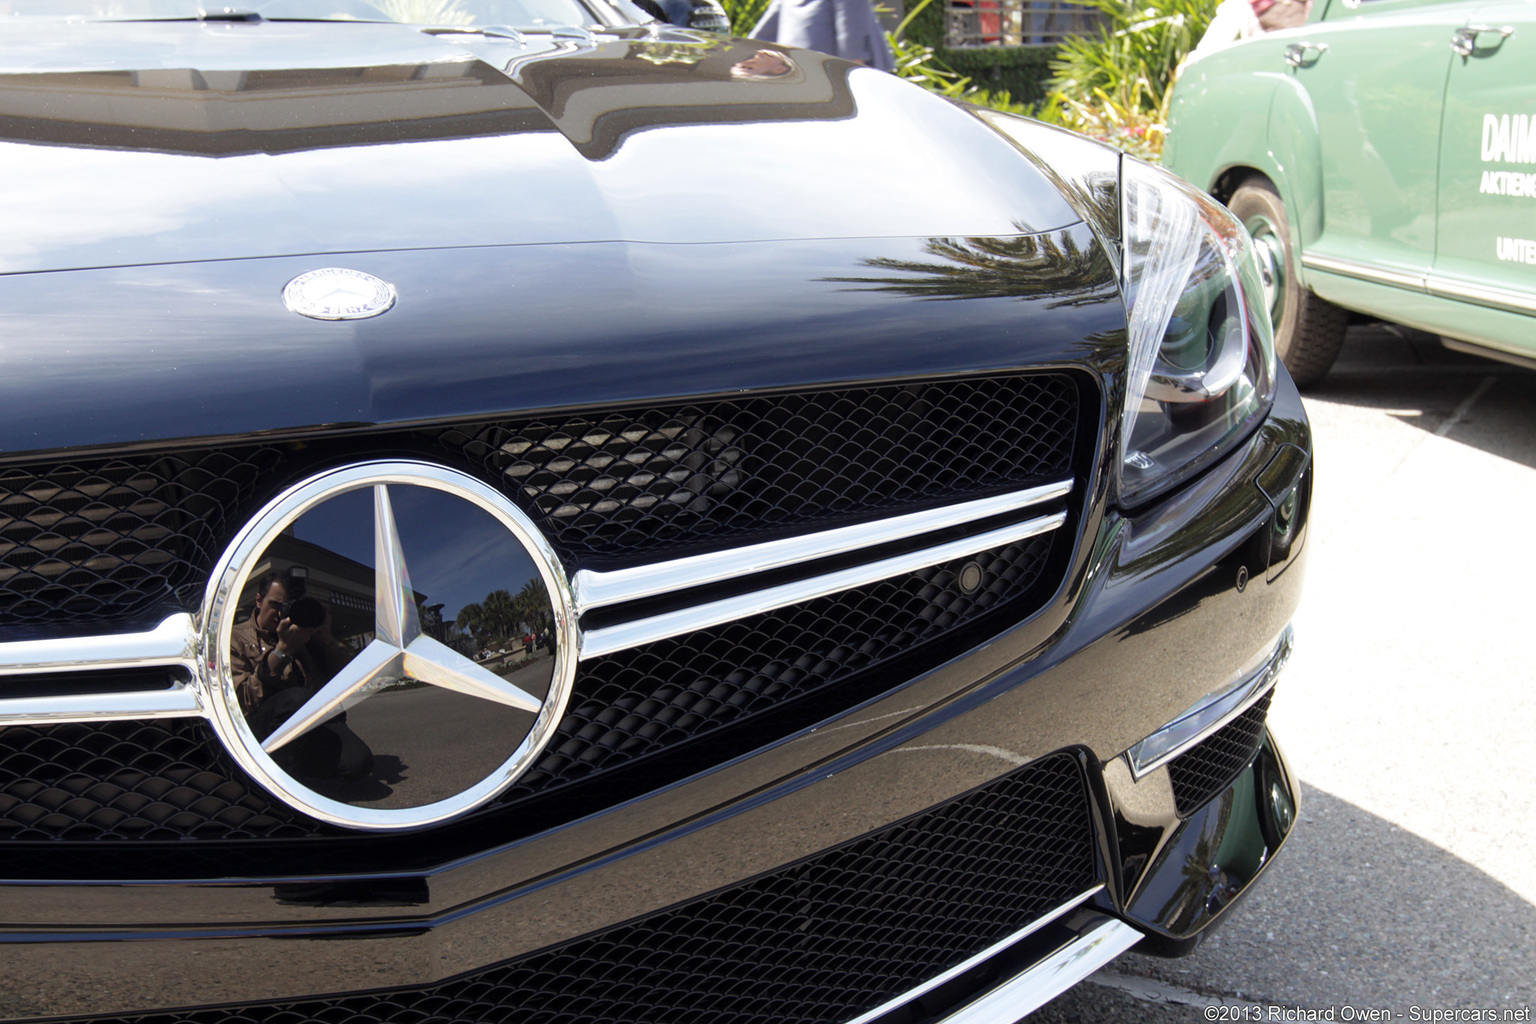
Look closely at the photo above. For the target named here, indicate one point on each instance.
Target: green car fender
(1249, 123)
(1231, 129)
(1240, 113)
(1297, 156)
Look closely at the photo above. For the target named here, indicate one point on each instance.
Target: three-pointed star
(344, 289)
(399, 649)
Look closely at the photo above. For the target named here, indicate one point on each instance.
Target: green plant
(1019, 70)
(1115, 86)
(1120, 121)
(918, 62)
(744, 14)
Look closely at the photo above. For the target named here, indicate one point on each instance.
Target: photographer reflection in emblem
(280, 657)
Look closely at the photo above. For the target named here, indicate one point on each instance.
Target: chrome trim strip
(1052, 976)
(182, 700)
(1364, 271)
(1484, 295)
(173, 642)
(1214, 711)
(597, 589)
(979, 958)
(598, 642)
(1434, 284)
(1483, 351)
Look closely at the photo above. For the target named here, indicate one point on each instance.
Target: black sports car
(510, 510)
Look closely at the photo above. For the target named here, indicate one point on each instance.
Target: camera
(304, 612)
(300, 609)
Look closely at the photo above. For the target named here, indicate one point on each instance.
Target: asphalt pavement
(1408, 712)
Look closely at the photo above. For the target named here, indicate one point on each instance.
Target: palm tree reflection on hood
(1050, 264)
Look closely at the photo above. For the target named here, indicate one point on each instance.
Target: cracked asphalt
(1408, 712)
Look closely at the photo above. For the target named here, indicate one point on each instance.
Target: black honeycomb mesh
(626, 482)
(130, 780)
(821, 941)
(638, 701)
(1210, 766)
(105, 540)
(172, 779)
(124, 540)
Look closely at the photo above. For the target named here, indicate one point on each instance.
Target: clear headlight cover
(1201, 366)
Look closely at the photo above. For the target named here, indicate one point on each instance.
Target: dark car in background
(527, 513)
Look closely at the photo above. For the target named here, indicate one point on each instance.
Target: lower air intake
(1209, 767)
(824, 940)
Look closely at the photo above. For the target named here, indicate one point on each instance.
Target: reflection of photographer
(280, 657)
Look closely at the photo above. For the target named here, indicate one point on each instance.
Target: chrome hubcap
(1271, 257)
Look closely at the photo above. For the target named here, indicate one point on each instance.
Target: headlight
(1200, 372)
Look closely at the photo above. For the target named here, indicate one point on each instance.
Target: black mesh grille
(639, 701)
(172, 780)
(1209, 767)
(129, 780)
(821, 941)
(125, 540)
(626, 482)
(108, 540)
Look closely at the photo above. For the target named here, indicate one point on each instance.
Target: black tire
(1309, 331)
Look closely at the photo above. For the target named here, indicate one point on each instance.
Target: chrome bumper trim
(598, 642)
(1253, 681)
(179, 701)
(598, 589)
(979, 958)
(173, 642)
(1048, 979)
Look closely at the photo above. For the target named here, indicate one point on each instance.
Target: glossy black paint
(1035, 688)
(1213, 860)
(243, 155)
(126, 355)
(756, 269)
(234, 142)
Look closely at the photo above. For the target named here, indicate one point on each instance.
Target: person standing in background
(846, 28)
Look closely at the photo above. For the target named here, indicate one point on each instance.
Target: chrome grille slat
(612, 639)
(852, 538)
(598, 589)
(651, 702)
(172, 642)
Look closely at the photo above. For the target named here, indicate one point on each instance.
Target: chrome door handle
(1304, 55)
(1465, 40)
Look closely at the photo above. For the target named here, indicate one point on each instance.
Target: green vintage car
(1384, 158)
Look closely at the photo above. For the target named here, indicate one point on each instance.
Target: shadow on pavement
(1473, 401)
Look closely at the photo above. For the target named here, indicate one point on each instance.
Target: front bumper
(1158, 613)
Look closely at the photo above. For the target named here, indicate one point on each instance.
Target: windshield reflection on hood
(531, 14)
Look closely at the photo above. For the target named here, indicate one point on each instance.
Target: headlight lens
(1201, 366)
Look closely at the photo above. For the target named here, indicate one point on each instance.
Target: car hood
(151, 143)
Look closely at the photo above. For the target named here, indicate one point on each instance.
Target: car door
(1486, 239)
(1375, 73)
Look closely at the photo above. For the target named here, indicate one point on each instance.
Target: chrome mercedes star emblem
(399, 650)
(336, 293)
(358, 698)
